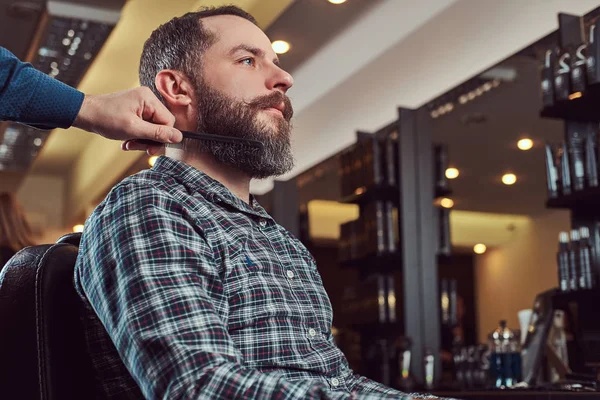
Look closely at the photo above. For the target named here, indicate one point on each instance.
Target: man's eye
(248, 61)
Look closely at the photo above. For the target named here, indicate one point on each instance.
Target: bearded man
(190, 289)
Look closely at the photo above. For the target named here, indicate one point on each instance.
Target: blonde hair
(15, 231)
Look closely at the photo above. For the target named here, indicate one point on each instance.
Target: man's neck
(232, 178)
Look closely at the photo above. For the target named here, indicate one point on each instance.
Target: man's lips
(274, 110)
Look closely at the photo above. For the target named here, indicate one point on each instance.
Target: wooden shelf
(584, 108)
(582, 296)
(586, 199)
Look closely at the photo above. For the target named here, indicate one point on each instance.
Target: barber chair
(42, 347)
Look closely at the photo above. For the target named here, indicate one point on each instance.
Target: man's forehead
(231, 31)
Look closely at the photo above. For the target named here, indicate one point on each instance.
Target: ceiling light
(337, 1)
(575, 95)
(78, 228)
(447, 203)
(152, 160)
(280, 46)
(509, 179)
(479, 248)
(525, 144)
(452, 173)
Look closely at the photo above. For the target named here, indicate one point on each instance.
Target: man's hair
(179, 44)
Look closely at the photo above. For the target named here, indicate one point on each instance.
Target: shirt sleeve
(31, 97)
(155, 284)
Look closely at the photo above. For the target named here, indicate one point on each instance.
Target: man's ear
(175, 88)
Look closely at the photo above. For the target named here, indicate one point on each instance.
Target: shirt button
(290, 274)
(335, 382)
(312, 332)
(263, 223)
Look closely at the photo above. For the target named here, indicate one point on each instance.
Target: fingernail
(175, 136)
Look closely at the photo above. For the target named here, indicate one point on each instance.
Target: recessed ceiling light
(280, 46)
(78, 228)
(152, 160)
(509, 179)
(479, 248)
(452, 173)
(525, 144)
(337, 1)
(447, 203)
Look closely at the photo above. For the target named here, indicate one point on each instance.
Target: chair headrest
(70, 238)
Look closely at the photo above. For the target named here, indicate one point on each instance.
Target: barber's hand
(129, 115)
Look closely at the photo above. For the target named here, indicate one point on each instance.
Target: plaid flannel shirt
(191, 293)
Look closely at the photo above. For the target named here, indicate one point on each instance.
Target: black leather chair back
(42, 348)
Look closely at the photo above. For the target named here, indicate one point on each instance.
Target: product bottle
(576, 133)
(591, 155)
(562, 258)
(578, 59)
(562, 73)
(565, 171)
(574, 260)
(500, 360)
(551, 173)
(593, 69)
(548, 78)
(585, 259)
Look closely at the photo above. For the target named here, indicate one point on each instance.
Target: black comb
(206, 136)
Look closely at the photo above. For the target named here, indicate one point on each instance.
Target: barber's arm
(154, 282)
(31, 97)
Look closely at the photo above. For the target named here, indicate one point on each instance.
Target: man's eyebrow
(252, 50)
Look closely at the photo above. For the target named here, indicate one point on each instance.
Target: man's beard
(220, 115)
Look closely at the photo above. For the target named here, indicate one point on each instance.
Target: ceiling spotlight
(280, 46)
(463, 99)
(435, 114)
(447, 203)
(337, 1)
(509, 179)
(452, 173)
(152, 160)
(78, 228)
(525, 144)
(479, 248)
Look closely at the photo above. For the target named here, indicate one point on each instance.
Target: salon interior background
(353, 64)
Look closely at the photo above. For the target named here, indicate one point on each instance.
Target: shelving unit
(584, 207)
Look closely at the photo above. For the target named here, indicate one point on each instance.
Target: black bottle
(586, 280)
(565, 171)
(578, 58)
(562, 77)
(562, 259)
(548, 78)
(591, 154)
(576, 134)
(574, 260)
(551, 172)
(593, 54)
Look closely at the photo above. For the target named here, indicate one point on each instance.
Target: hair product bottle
(562, 259)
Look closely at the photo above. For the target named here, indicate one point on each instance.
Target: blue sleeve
(31, 97)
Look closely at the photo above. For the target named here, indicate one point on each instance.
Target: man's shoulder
(147, 192)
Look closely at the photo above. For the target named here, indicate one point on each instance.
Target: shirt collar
(197, 181)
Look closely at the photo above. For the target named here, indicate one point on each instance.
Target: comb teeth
(222, 139)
